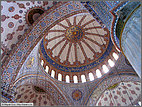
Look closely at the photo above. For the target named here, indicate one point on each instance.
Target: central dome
(75, 44)
(74, 33)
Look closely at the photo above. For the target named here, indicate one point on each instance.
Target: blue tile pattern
(76, 69)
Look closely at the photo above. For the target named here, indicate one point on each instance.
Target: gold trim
(113, 86)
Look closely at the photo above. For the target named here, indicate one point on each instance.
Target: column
(131, 41)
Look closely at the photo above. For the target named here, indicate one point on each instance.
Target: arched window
(115, 56)
(91, 77)
(75, 79)
(47, 68)
(67, 79)
(105, 68)
(59, 77)
(83, 79)
(42, 62)
(98, 73)
(52, 73)
(139, 103)
(1, 51)
(111, 63)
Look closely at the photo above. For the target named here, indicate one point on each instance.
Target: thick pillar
(131, 40)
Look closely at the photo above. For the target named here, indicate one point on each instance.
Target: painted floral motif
(77, 95)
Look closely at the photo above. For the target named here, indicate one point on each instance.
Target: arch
(115, 56)
(37, 26)
(41, 83)
(46, 69)
(105, 68)
(111, 63)
(42, 62)
(116, 87)
(91, 77)
(98, 73)
(83, 79)
(67, 79)
(101, 88)
(60, 77)
(52, 73)
(139, 103)
(75, 79)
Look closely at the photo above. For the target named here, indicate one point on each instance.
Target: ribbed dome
(75, 45)
(75, 41)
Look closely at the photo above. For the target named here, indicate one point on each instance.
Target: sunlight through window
(139, 103)
(111, 63)
(47, 68)
(115, 56)
(75, 79)
(91, 77)
(83, 79)
(59, 77)
(42, 62)
(105, 68)
(52, 73)
(67, 79)
(98, 73)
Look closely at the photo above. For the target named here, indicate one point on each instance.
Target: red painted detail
(11, 9)
(16, 16)
(10, 24)
(21, 5)
(20, 28)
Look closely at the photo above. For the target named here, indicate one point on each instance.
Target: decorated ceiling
(40, 97)
(17, 16)
(77, 40)
(75, 44)
(120, 94)
(39, 37)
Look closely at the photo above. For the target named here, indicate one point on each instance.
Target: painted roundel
(11, 9)
(76, 41)
(77, 95)
(10, 24)
(74, 33)
(33, 14)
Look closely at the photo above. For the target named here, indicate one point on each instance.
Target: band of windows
(83, 77)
